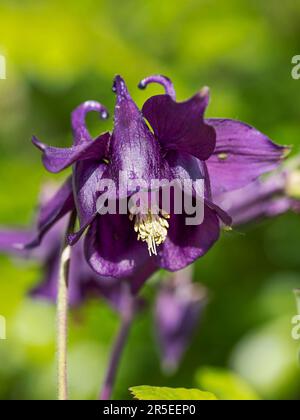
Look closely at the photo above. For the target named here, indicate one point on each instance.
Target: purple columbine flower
(265, 198)
(181, 144)
(83, 281)
(178, 309)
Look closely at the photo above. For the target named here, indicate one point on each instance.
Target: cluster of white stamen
(151, 228)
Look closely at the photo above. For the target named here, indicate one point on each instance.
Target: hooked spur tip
(286, 151)
(156, 78)
(93, 106)
(104, 115)
(204, 92)
(142, 85)
(119, 86)
(38, 144)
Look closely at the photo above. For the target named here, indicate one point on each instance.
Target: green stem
(62, 315)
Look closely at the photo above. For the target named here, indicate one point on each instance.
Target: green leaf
(225, 384)
(145, 392)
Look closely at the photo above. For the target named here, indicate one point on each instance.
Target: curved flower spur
(166, 141)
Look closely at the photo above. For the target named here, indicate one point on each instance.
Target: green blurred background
(62, 52)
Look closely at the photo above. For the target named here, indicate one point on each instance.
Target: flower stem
(62, 315)
(117, 351)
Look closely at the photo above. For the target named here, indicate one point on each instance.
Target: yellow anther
(152, 229)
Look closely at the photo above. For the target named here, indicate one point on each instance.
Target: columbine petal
(111, 247)
(264, 210)
(85, 283)
(185, 166)
(181, 126)
(86, 178)
(133, 148)
(87, 173)
(261, 199)
(184, 243)
(14, 241)
(56, 159)
(242, 154)
(53, 210)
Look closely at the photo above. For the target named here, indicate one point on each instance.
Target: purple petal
(112, 248)
(84, 283)
(116, 291)
(181, 126)
(259, 200)
(14, 241)
(242, 154)
(133, 148)
(53, 210)
(264, 210)
(185, 243)
(222, 214)
(56, 159)
(162, 80)
(80, 278)
(275, 208)
(86, 178)
(184, 166)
